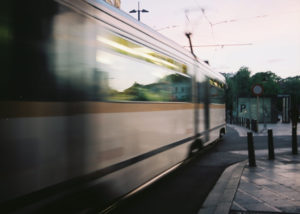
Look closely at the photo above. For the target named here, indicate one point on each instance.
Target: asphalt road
(184, 190)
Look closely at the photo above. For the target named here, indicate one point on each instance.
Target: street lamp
(139, 11)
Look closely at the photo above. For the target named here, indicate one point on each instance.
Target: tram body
(94, 104)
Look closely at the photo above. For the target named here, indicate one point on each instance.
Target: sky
(263, 35)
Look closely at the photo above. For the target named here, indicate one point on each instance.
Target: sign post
(257, 90)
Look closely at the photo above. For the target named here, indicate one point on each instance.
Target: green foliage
(269, 81)
(241, 82)
(291, 86)
(229, 94)
(239, 85)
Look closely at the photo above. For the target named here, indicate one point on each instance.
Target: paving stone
(290, 209)
(286, 192)
(243, 198)
(272, 186)
(233, 183)
(260, 207)
(222, 207)
(236, 206)
(249, 187)
(228, 195)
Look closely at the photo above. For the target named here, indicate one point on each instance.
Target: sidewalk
(279, 129)
(271, 187)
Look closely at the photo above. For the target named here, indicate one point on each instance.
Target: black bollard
(270, 144)
(294, 141)
(251, 153)
(254, 125)
(247, 123)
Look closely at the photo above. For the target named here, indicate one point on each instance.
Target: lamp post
(139, 11)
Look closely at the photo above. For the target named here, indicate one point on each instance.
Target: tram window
(216, 92)
(94, 66)
(132, 79)
(201, 87)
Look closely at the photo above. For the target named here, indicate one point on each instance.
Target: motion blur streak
(94, 104)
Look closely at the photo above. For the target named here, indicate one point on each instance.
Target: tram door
(203, 109)
(206, 110)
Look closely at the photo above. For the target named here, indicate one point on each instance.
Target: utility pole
(139, 11)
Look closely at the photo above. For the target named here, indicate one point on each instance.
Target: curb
(220, 198)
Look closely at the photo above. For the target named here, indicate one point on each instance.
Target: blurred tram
(94, 104)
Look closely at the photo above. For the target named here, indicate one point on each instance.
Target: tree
(229, 96)
(241, 82)
(291, 86)
(269, 81)
(238, 85)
